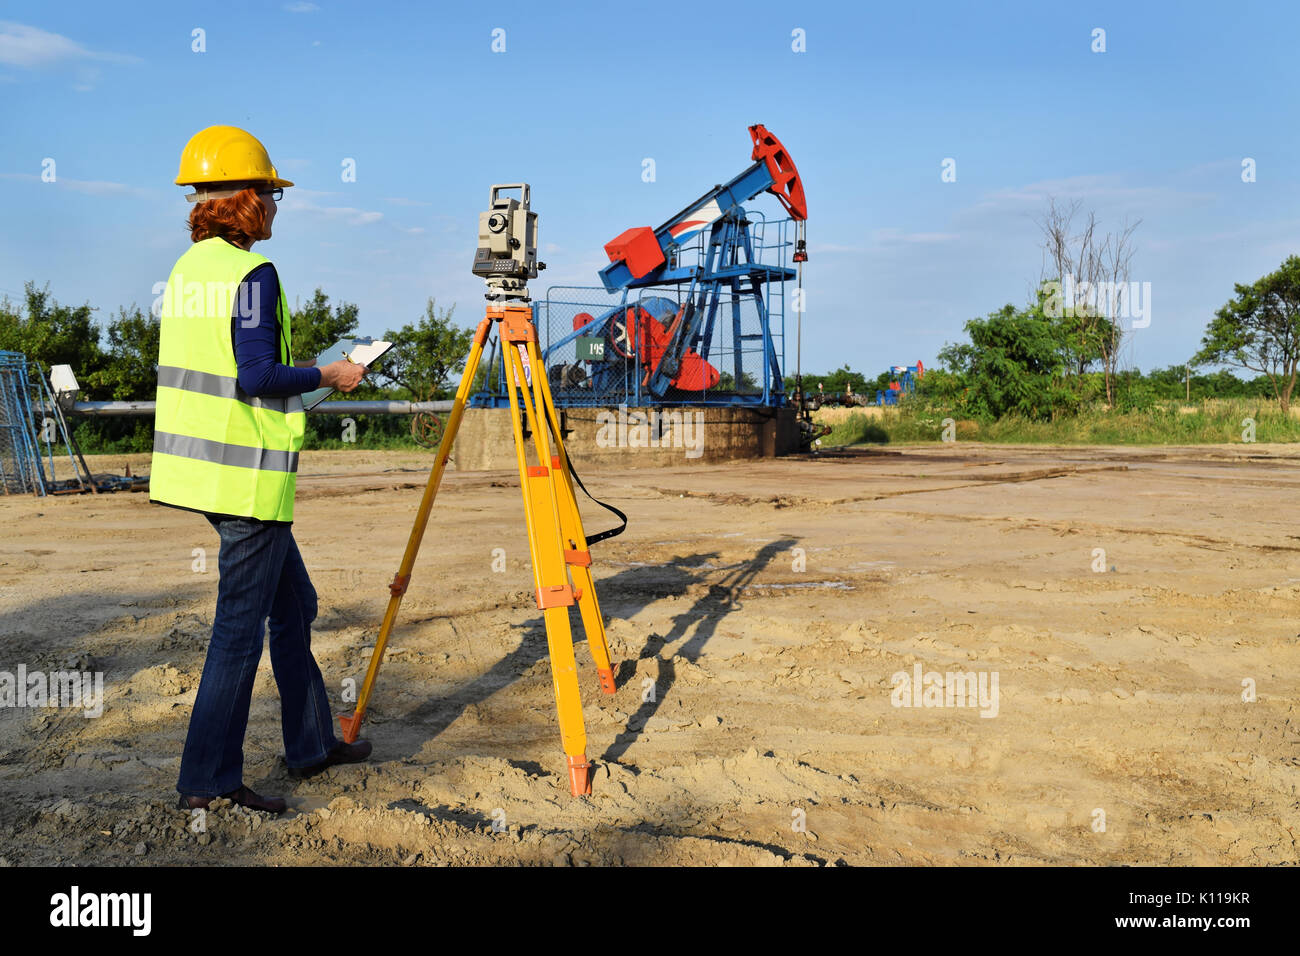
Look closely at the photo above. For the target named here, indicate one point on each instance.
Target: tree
(316, 326)
(1260, 330)
(727, 383)
(52, 334)
(838, 382)
(1116, 266)
(1012, 365)
(426, 354)
(1094, 267)
(129, 372)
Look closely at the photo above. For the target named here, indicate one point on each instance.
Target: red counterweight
(637, 247)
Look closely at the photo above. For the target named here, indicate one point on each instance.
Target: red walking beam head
(786, 184)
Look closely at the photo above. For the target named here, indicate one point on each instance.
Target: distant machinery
(905, 379)
(689, 313)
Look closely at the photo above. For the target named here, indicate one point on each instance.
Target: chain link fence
(20, 463)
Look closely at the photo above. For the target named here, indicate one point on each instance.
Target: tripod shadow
(701, 622)
(624, 594)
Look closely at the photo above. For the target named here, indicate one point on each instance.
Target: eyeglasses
(276, 194)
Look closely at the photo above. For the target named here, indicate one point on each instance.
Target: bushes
(1213, 421)
(1013, 365)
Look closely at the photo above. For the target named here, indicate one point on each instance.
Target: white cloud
(403, 201)
(100, 188)
(355, 217)
(33, 48)
(91, 187)
(300, 203)
(319, 202)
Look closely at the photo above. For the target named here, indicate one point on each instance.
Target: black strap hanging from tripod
(612, 532)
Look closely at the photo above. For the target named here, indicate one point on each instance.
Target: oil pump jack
(676, 354)
(699, 302)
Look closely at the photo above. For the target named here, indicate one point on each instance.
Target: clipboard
(362, 351)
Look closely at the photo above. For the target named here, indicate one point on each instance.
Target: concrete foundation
(632, 437)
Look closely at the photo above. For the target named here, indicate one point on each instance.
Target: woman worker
(228, 429)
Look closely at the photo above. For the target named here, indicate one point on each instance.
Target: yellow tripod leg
(351, 724)
(576, 553)
(550, 573)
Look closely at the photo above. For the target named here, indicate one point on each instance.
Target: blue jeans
(262, 575)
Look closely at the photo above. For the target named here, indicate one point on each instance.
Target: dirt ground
(1145, 709)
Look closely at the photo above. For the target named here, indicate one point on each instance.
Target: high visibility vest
(217, 448)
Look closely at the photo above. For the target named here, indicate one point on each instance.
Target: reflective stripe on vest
(205, 449)
(222, 386)
(217, 448)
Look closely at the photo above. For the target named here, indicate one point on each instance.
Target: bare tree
(1088, 265)
(1074, 263)
(1116, 257)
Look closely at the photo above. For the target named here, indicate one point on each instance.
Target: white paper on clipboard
(362, 351)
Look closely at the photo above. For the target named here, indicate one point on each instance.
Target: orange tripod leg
(550, 572)
(351, 724)
(576, 553)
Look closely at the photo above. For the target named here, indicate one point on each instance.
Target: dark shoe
(343, 753)
(243, 796)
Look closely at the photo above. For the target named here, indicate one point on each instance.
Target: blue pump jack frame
(729, 237)
(729, 265)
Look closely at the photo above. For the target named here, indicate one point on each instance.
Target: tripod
(557, 545)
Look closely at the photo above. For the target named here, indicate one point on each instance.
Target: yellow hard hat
(225, 154)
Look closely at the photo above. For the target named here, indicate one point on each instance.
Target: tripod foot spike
(606, 675)
(351, 725)
(579, 775)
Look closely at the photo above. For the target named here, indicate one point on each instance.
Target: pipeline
(142, 409)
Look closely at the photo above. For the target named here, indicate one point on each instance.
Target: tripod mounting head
(506, 257)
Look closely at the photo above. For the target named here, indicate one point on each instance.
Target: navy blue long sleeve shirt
(256, 333)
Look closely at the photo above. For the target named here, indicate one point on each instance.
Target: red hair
(239, 220)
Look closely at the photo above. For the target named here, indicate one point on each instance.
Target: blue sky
(1155, 128)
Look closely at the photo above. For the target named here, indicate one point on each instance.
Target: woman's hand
(342, 375)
